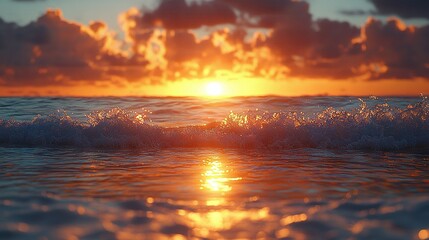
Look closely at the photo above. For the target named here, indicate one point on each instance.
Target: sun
(214, 89)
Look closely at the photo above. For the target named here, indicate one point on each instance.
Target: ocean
(214, 168)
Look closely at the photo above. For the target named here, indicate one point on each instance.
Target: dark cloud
(397, 50)
(16, 43)
(293, 32)
(304, 46)
(390, 50)
(334, 38)
(331, 49)
(177, 14)
(325, 50)
(403, 8)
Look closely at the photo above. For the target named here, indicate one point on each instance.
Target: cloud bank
(404, 9)
(272, 39)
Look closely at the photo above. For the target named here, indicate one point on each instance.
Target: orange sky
(237, 88)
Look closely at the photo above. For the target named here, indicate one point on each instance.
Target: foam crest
(379, 127)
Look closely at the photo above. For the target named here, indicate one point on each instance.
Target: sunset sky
(241, 47)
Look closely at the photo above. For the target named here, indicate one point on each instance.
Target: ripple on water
(163, 219)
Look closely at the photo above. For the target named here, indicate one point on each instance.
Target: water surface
(186, 168)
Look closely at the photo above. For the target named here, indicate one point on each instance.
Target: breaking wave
(379, 127)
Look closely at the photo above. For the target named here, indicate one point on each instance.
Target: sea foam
(379, 127)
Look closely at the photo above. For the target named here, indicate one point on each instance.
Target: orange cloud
(54, 51)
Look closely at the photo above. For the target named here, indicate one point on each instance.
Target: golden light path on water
(220, 214)
(216, 177)
(216, 182)
(219, 211)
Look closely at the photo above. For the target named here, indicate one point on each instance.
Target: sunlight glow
(215, 179)
(225, 219)
(214, 89)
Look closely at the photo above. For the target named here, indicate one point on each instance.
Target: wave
(379, 127)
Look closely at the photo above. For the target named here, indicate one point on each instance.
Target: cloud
(396, 50)
(178, 53)
(334, 38)
(268, 56)
(178, 14)
(302, 45)
(402, 8)
(329, 49)
(293, 32)
(52, 50)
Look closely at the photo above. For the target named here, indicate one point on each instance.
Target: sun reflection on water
(225, 219)
(216, 178)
